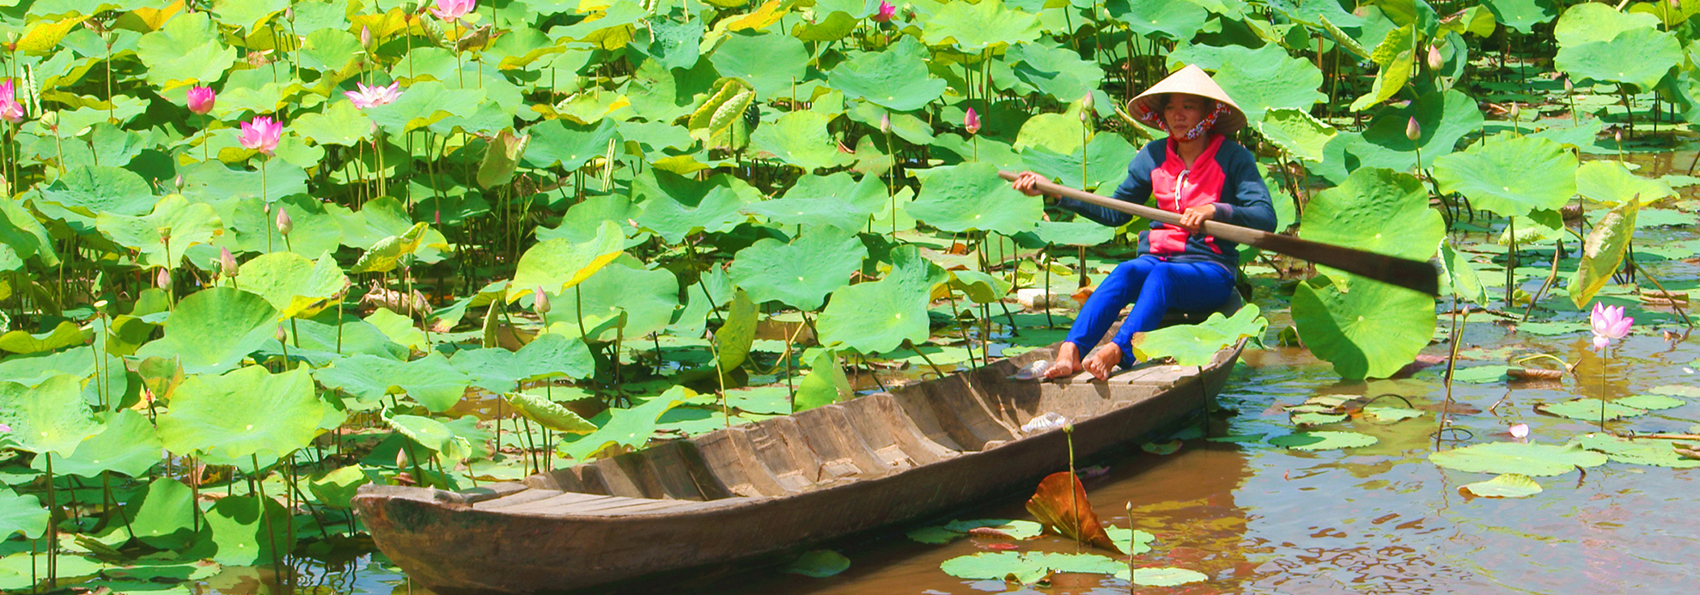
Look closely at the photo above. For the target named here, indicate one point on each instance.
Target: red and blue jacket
(1225, 174)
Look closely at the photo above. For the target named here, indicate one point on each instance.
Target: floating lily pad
(1027, 567)
(1590, 409)
(1316, 419)
(1132, 541)
(1509, 485)
(1162, 576)
(1481, 374)
(1314, 441)
(1651, 402)
(1658, 453)
(1537, 460)
(1390, 414)
(819, 564)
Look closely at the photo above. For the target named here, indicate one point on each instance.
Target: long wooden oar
(1411, 274)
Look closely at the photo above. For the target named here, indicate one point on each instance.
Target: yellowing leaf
(1061, 506)
(44, 36)
(768, 14)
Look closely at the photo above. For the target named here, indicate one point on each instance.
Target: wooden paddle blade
(1410, 274)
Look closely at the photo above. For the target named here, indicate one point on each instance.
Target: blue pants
(1152, 286)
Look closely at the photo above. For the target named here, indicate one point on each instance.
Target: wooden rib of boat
(764, 489)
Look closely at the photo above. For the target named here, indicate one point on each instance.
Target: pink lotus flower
(453, 10)
(261, 134)
(374, 95)
(1609, 324)
(10, 109)
(1520, 431)
(886, 11)
(971, 122)
(201, 99)
(5, 429)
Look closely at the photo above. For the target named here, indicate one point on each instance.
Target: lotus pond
(255, 254)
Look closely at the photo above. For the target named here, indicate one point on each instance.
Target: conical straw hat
(1192, 80)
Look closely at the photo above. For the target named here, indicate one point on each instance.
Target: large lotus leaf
(799, 274)
(386, 254)
(186, 51)
(423, 104)
(1079, 232)
(1027, 567)
(493, 369)
(340, 124)
(96, 190)
(239, 530)
(432, 381)
(712, 289)
(251, 227)
(33, 369)
(569, 145)
(1522, 15)
(867, 195)
(330, 50)
(548, 413)
(770, 63)
(1165, 576)
(1395, 56)
(1443, 117)
(1611, 183)
(1106, 155)
(1658, 453)
(1602, 252)
(214, 329)
(971, 197)
(21, 514)
(629, 428)
(895, 78)
(66, 334)
(337, 488)
(399, 329)
(980, 287)
(879, 316)
(550, 356)
(675, 44)
(732, 342)
(26, 236)
(826, 211)
(673, 219)
(1179, 21)
(1061, 133)
(1365, 328)
(163, 514)
(1196, 345)
(245, 412)
(584, 220)
(163, 236)
(1510, 175)
(557, 264)
(1314, 441)
(291, 283)
(431, 434)
(975, 28)
(1296, 132)
(49, 419)
(800, 138)
(1589, 22)
(826, 383)
(1538, 460)
(1055, 71)
(1378, 210)
(1258, 79)
(647, 299)
(1638, 57)
(128, 445)
(218, 185)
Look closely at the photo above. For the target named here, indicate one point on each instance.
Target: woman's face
(1185, 111)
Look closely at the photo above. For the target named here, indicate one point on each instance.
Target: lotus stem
(271, 536)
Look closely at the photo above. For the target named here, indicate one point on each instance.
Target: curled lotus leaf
(1602, 252)
(430, 434)
(1537, 460)
(65, 334)
(1196, 345)
(550, 414)
(825, 384)
(1061, 505)
(627, 428)
(557, 265)
(432, 380)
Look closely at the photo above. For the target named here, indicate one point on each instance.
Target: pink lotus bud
(227, 263)
(540, 302)
(1413, 130)
(1435, 61)
(971, 122)
(1568, 86)
(163, 279)
(365, 37)
(885, 123)
(284, 224)
(1617, 135)
(1520, 431)
(886, 11)
(1086, 102)
(281, 336)
(10, 109)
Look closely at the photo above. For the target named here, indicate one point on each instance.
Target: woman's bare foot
(1101, 362)
(1067, 364)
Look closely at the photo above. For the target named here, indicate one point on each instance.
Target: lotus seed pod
(1435, 61)
(163, 279)
(284, 224)
(971, 121)
(885, 123)
(227, 263)
(541, 301)
(1413, 130)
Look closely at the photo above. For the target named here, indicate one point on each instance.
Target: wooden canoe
(763, 490)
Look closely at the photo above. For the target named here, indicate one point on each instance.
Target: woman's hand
(1194, 217)
(1024, 183)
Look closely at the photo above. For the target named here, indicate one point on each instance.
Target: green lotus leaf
(49, 419)
(1079, 232)
(1178, 21)
(1609, 182)
(17, 570)
(329, 51)
(799, 274)
(1637, 57)
(551, 356)
(97, 190)
(1461, 276)
(245, 412)
(106, 145)
(833, 20)
(1443, 117)
(218, 185)
(493, 369)
(1296, 132)
(557, 265)
(1162, 576)
(163, 515)
(1387, 415)
(423, 104)
(214, 329)
(292, 284)
(1395, 56)
(1589, 409)
(1510, 175)
(584, 220)
(1602, 252)
(1489, 374)
(185, 52)
(895, 78)
(1132, 541)
(1314, 441)
(976, 28)
(33, 369)
(1107, 157)
(980, 287)
(569, 145)
(239, 530)
(432, 381)
(1377, 210)
(673, 219)
(66, 334)
(1651, 402)
(1055, 71)
(1583, 24)
(431, 434)
(21, 514)
(645, 298)
(801, 139)
(971, 197)
(548, 413)
(20, 231)
(1522, 15)
(675, 44)
(251, 227)
(1509, 485)
(732, 341)
(1027, 567)
(336, 489)
(186, 224)
(1536, 460)
(399, 329)
(1060, 133)
(880, 316)
(1196, 345)
(819, 564)
(1258, 79)
(826, 383)
(772, 64)
(826, 211)
(1654, 452)
(385, 255)
(128, 444)
(1365, 328)
(629, 428)
(340, 124)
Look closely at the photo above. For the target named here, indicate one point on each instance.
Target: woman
(1197, 172)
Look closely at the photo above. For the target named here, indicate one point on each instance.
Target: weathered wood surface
(775, 486)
